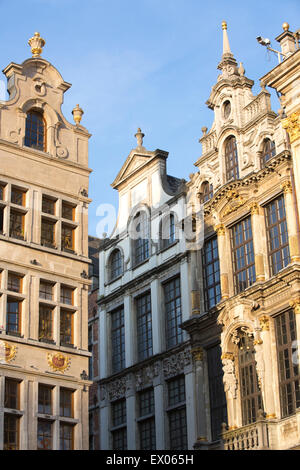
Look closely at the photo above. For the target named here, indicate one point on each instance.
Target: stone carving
(264, 322)
(114, 390)
(260, 364)
(174, 365)
(229, 378)
(145, 376)
(292, 125)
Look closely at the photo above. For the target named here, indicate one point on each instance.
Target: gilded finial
(285, 26)
(36, 43)
(77, 114)
(224, 25)
(139, 137)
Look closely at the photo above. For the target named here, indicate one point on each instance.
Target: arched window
(251, 397)
(168, 231)
(140, 233)
(206, 192)
(268, 151)
(226, 109)
(231, 159)
(115, 265)
(35, 135)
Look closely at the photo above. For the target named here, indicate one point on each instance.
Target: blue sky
(142, 63)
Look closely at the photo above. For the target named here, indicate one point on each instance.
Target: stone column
(263, 356)
(131, 421)
(104, 352)
(295, 304)
(130, 331)
(291, 219)
(223, 260)
(159, 416)
(259, 240)
(292, 125)
(104, 428)
(157, 326)
(200, 403)
(2, 389)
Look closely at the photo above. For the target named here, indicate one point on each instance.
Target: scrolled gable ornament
(59, 362)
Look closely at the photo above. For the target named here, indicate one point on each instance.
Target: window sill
(140, 264)
(48, 341)
(165, 248)
(14, 333)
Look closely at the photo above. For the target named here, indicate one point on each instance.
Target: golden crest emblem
(59, 362)
(7, 351)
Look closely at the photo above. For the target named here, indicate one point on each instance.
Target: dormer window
(206, 192)
(268, 151)
(141, 238)
(115, 265)
(35, 131)
(168, 232)
(231, 159)
(226, 109)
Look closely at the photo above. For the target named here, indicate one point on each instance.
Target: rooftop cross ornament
(139, 137)
(36, 43)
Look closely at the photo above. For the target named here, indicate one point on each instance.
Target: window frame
(231, 158)
(28, 132)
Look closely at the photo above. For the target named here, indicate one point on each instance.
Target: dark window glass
(48, 233)
(11, 432)
(48, 205)
(278, 243)
(66, 403)
(67, 238)
(144, 326)
(66, 327)
(211, 273)
(11, 398)
(146, 420)
(173, 315)
(66, 434)
(67, 211)
(1, 219)
(118, 340)
(226, 109)
(251, 397)
(16, 224)
(231, 159)
(119, 435)
(35, 131)
(206, 192)
(13, 316)
(288, 363)
(217, 398)
(115, 264)
(268, 151)
(17, 196)
(44, 435)
(1, 192)
(141, 241)
(45, 399)
(66, 295)
(14, 282)
(168, 231)
(243, 255)
(45, 322)
(177, 414)
(46, 290)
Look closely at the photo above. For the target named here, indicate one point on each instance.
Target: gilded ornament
(59, 362)
(254, 208)
(295, 304)
(292, 125)
(220, 229)
(235, 201)
(286, 186)
(36, 43)
(227, 355)
(77, 114)
(7, 351)
(264, 322)
(197, 354)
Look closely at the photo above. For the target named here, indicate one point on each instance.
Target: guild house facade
(44, 179)
(199, 329)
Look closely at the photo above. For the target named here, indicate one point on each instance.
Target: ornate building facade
(44, 179)
(199, 341)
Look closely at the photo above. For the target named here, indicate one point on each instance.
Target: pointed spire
(226, 46)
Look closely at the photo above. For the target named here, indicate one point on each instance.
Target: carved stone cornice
(175, 364)
(292, 125)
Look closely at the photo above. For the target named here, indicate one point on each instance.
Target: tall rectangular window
(16, 224)
(119, 430)
(288, 362)
(173, 314)
(67, 238)
(45, 323)
(177, 414)
(146, 420)
(13, 315)
(44, 435)
(14, 282)
(118, 340)
(68, 211)
(66, 403)
(45, 399)
(12, 394)
(11, 432)
(278, 243)
(48, 233)
(211, 273)
(66, 327)
(66, 436)
(217, 398)
(144, 326)
(243, 255)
